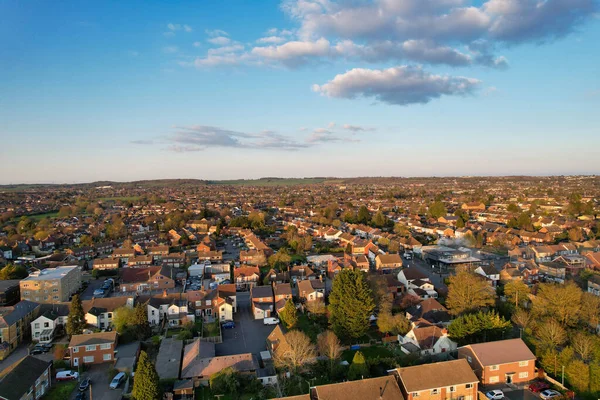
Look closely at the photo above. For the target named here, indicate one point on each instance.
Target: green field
(61, 390)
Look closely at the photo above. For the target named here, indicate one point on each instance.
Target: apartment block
(51, 285)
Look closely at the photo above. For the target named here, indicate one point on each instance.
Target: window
(105, 346)
(109, 315)
(88, 359)
(452, 389)
(107, 357)
(494, 379)
(75, 349)
(523, 363)
(434, 391)
(90, 347)
(523, 375)
(46, 324)
(415, 394)
(469, 385)
(37, 326)
(494, 367)
(152, 312)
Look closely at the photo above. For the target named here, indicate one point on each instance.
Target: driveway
(248, 336)
(99, 386)
(94, 284)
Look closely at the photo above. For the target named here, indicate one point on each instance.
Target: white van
(66, 375)
(120, 377)
(270, 321)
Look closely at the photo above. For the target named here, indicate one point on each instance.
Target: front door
(75, 362)
(509, 378)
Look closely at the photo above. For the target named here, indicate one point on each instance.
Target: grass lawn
(173, 332)
(210, 329)
(61, 390)
(369, 353)
(308, 326)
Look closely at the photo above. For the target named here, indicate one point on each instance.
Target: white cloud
(401, 85)
(295, 52)
(197, 44)
(219, 40)
(187, 28)
(331, 125)
(271, 40)
(170, 49)
(216, 32)
(173, 27)
(356, 128)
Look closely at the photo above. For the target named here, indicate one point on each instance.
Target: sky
(131, 90)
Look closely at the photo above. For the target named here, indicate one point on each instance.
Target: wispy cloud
(357, 128)
(142, 142)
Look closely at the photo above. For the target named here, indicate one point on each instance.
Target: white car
(270, 321)
(549, 394)
(495, 395)
(120, 377)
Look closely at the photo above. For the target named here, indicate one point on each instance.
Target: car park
(67, 375)
(495, 394)
(549, 394)
(116, 381)
(80, 396)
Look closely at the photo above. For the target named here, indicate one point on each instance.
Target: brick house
(503, 361)
(311, 290)
(438, 381)
(27, 379)
(246, 277)
(149, 278)
(106, 263)
(388, 262)
(94, 348)
(262, 301)
(282, 293)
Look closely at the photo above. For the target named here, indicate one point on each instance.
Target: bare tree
(316, 307)
(583, 345)
(296, 352)
(551, 334)
(329, 346)
(522, 318)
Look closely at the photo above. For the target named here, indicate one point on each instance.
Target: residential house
(99, 312)
(593, 285)
(429, 310)
(388, 262)
(246, 277)
(488, 272)
(148, 278)
(311, 290)
(200, 363)
(158, 252)
(10, 292)
(473, 206)
(175, 260)
(15, 325)
(282, 293)
(168, 360)
(51, 285)
(426, 339)
(123, 254)
(593, 260)
(52, 319)
(261, 298)
(504, 361)
(27, 379)
(253, 257)
(140, 261)
(93, 348)
(381, 388)
(417, 283)
(446, 380)
(301, 272)
(216, 256)
(553, 269)
(106, 263)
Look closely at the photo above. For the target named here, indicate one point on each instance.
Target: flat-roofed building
(51, 285)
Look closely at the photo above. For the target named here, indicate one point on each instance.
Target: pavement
(248, 336)
(94, 284)
(518, 394)
(230, 252)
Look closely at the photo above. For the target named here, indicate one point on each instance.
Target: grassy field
(61, 390)
(369, 353)
(270, 182)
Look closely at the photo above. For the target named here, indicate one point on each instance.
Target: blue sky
(244, 89)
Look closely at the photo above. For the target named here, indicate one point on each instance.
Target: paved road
(248, 336)
(99, 386)
(230, 252)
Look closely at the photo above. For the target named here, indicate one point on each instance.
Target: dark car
(80, 396)
(36, 350)
(538, 386)
(84, 385)
(228, 325)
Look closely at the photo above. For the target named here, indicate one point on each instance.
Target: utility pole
(562, 381)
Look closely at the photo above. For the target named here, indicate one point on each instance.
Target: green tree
(12, 271)
(437, 209)
(145, 383)
(364, 215)
(289, 314)
(76, 321)
(468, 292)
(225, 382)
(140, 322)
(559, 302)
(279, 259)
(379, 220)
(350, 304)
(513, 208)
(388, 323)
(123, 318)
(478, 327)
(516, 292)
(358, 368)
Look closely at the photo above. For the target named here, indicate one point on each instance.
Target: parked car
(84, 385)
(538, 386)
(67, 375)
(495, 394)
(120, 377)
(270, 321)
(80, 396)
(36, 351)
(549, 394)
(228, 325)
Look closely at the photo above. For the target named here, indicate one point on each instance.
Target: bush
(156, 339)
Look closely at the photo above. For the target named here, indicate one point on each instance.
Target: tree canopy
(76, 321)
(145, 383)
(468, 292)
